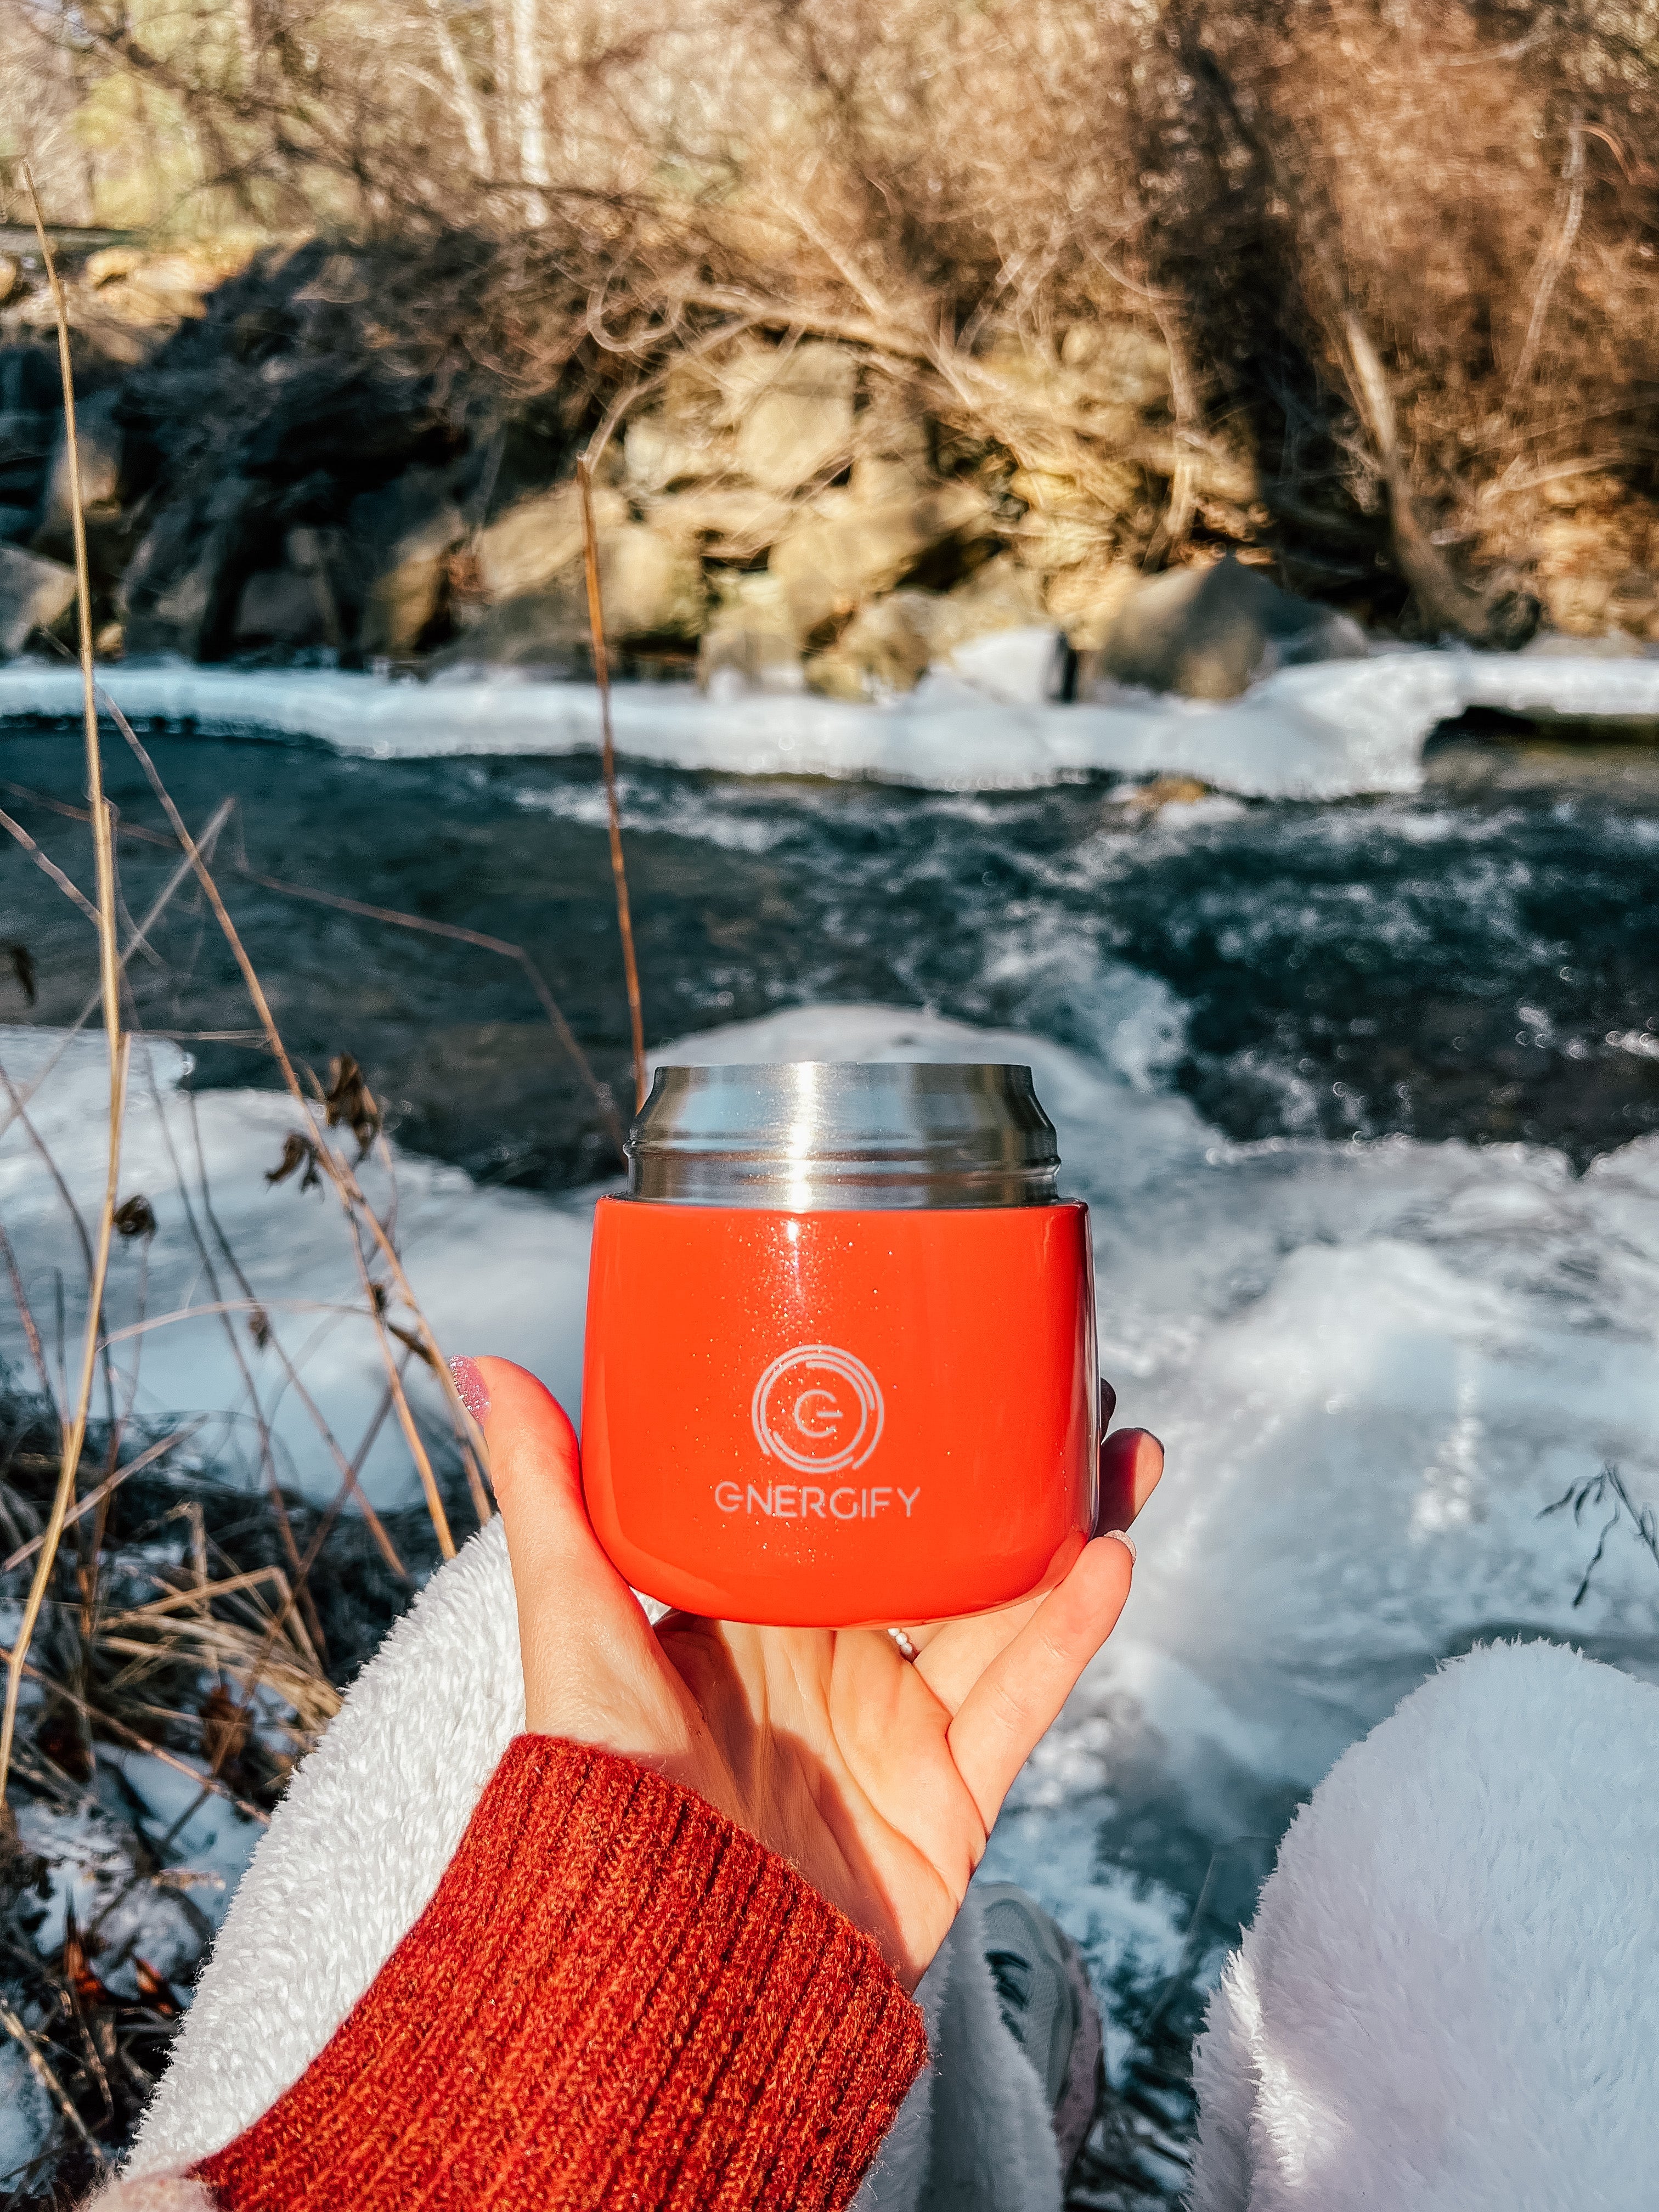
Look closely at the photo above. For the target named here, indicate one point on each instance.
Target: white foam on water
(1322, 731)
(1373, 1365)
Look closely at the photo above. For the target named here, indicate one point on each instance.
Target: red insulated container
(840, 1365)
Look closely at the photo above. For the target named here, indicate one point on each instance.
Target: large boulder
(749, 643)
(844, 550)
(722, 522)
(885, 650)
(99, 436)
(530, 594)
(660, 454)
(1211, 632)
(182, 590)
(357, 426)
(539, 539)
(403, 535)
(34, 593)
(794, 412)
(891, 642)
(280, 607)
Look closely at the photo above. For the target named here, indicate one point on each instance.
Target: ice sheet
(1373, 1364)
(1318, 733)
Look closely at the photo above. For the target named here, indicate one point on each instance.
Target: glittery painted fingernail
(1126, 1539)
(471, 1389)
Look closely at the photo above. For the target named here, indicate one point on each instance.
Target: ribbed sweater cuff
(616, 1997)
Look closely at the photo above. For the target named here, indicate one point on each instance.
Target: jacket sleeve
(616, 1997)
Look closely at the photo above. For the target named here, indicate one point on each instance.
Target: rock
(891, 642)
(653, 588)
(531, 580)
(750, 643)
(183, 586)
(538, 539)
(841, 551)
(1023, 667)
(659, 456)
(883, 651)
(403, 535)
(1121, 361)
(359, 426)
(278, 606)
(794, 410)
(1001, 595)
(1068, 524)
(34, 593)
(722, 522)
(125, 301)
(1210, 632)
(98, 433)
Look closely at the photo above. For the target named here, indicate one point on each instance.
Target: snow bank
(202, 1163)
(1318, 733)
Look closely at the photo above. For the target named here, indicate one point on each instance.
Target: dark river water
(1481, 961)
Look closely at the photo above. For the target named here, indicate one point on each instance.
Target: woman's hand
(879, 1778)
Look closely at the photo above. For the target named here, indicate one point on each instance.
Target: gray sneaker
(1043, 1991)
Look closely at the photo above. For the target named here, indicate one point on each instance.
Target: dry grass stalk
(139, 937)
(618, 867)
(354, 1203)
(107, 1488)
(49, 2081)
(268, 1649)
(110, 974)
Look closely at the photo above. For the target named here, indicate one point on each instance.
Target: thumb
(588, 1652)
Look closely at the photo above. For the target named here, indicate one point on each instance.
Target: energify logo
(818, 1410)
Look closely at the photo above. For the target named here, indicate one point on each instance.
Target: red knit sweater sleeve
(616, 1997)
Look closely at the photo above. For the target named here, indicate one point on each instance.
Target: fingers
(1130, 1465)
(1002, 1717)
(955, 1653)
(581, 1628)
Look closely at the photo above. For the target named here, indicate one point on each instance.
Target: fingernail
(471, 1389)
(1128, 1541)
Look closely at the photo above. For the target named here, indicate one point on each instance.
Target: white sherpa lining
(1448, 2000)
(356, 1850)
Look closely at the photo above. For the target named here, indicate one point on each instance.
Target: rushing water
(1479, 962)
(1374, 1362)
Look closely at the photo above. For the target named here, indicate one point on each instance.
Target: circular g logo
(818, 1410)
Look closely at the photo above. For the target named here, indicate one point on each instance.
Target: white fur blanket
(1448, 2000)
(356, 1848)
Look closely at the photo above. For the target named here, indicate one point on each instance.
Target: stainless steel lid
(809, 1135)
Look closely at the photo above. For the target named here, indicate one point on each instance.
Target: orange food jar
(840, 1365)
